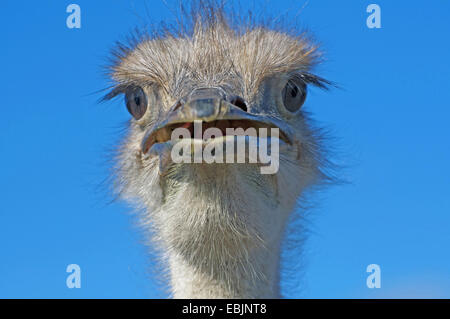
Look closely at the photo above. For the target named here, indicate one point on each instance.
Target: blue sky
(390, 121)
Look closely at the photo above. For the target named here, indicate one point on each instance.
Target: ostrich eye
(136, 101)
(294, 95)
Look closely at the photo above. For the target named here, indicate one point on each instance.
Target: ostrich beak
(212, 106)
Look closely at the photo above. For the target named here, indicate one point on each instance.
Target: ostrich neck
(224, 242)
(189, 282)
(255, 276)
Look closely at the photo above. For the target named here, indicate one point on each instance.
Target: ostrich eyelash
(309, 78)
(115, 91)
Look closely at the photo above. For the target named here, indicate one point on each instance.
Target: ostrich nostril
(239, 102)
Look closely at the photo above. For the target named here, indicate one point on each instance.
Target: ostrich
(219, 226)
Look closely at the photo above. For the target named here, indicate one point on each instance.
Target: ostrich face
(226, 79)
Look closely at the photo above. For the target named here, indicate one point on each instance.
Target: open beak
(214, 109)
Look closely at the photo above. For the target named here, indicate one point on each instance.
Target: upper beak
(208, 105)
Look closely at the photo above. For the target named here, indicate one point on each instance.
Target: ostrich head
(219, 225)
